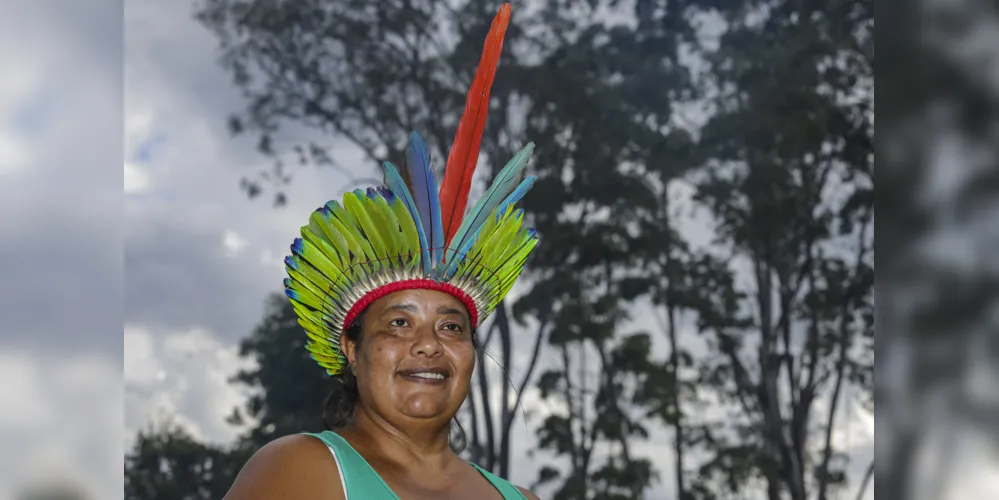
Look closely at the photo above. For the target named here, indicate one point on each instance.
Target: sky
(186, 258)
(169, 248)
(60, 307)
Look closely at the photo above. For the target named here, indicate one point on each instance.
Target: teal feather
(506, 183)
(462, 252)
(516, 195)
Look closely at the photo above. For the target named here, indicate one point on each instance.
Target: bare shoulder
(528, 494)
(290, 467)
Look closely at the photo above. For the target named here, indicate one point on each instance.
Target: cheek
(464, 357)
(380, 357)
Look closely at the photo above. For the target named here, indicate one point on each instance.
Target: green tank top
(360, 481)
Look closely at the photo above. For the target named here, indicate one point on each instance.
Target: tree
(288, 388)
(789, 178)
(937, 183)
(167, 463)
(589, 204)
(676, 279)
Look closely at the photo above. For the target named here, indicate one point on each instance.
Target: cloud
(14, 153)
(61, 229)
(60, 307)
(183, 376)
(199, 257)
(57, 416)
(136, 179)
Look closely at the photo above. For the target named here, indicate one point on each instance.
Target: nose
(427, 343)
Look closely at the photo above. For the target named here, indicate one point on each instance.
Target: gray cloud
(61, 245)
(60, 193)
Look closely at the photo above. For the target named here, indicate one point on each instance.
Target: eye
(399, 323)
(451, 327)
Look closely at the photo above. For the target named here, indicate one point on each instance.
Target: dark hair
(342, 400)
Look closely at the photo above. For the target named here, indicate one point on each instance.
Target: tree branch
(867, 481)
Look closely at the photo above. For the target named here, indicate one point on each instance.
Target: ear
(349, 348)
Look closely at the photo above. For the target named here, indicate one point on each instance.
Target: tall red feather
(465, 150)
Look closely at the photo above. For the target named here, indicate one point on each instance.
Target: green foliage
(789, 177)
(167, 463)
(774, 315)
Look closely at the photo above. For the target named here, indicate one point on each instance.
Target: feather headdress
(411, 234)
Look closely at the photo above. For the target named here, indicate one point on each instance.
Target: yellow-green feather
(321, 226)
(345, 221)
(323, 256)
(380, 217)
(355, 207)
(410, 237)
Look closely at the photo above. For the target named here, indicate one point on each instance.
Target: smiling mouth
(431, 377)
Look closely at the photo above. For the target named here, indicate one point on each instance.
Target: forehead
(420, 299)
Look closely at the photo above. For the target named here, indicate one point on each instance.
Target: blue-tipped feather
(462, 252)
(423, 184)
(516, 195)
(387, 194)
(296, 246)
(506, 183)
(398, 186)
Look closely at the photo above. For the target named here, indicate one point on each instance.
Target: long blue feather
(397, 185)
(425, 194)
(505, 184)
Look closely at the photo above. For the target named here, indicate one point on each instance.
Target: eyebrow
(411, 307)
(405, 306)
(449, 310)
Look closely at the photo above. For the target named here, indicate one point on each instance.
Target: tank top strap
(506, 488)
(360, 481)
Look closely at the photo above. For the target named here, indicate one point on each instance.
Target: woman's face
(415, 355)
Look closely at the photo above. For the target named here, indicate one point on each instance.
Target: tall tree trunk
(866, 482)
(842, 347)
(473, 410)
(674, 359)
(770, 360)
(487, 415)
(678, 424)
(506, 413)
(773, 486)
(508, 425)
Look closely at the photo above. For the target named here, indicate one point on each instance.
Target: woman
(390, 288)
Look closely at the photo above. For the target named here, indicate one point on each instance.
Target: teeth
(437, 376)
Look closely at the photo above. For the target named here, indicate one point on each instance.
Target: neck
(426, 442)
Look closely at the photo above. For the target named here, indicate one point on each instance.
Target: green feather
(410, 237)
(355, 207)
(385, 223)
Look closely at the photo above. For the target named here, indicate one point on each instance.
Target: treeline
(757, 114)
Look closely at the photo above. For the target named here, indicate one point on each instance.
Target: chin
(417, 408)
